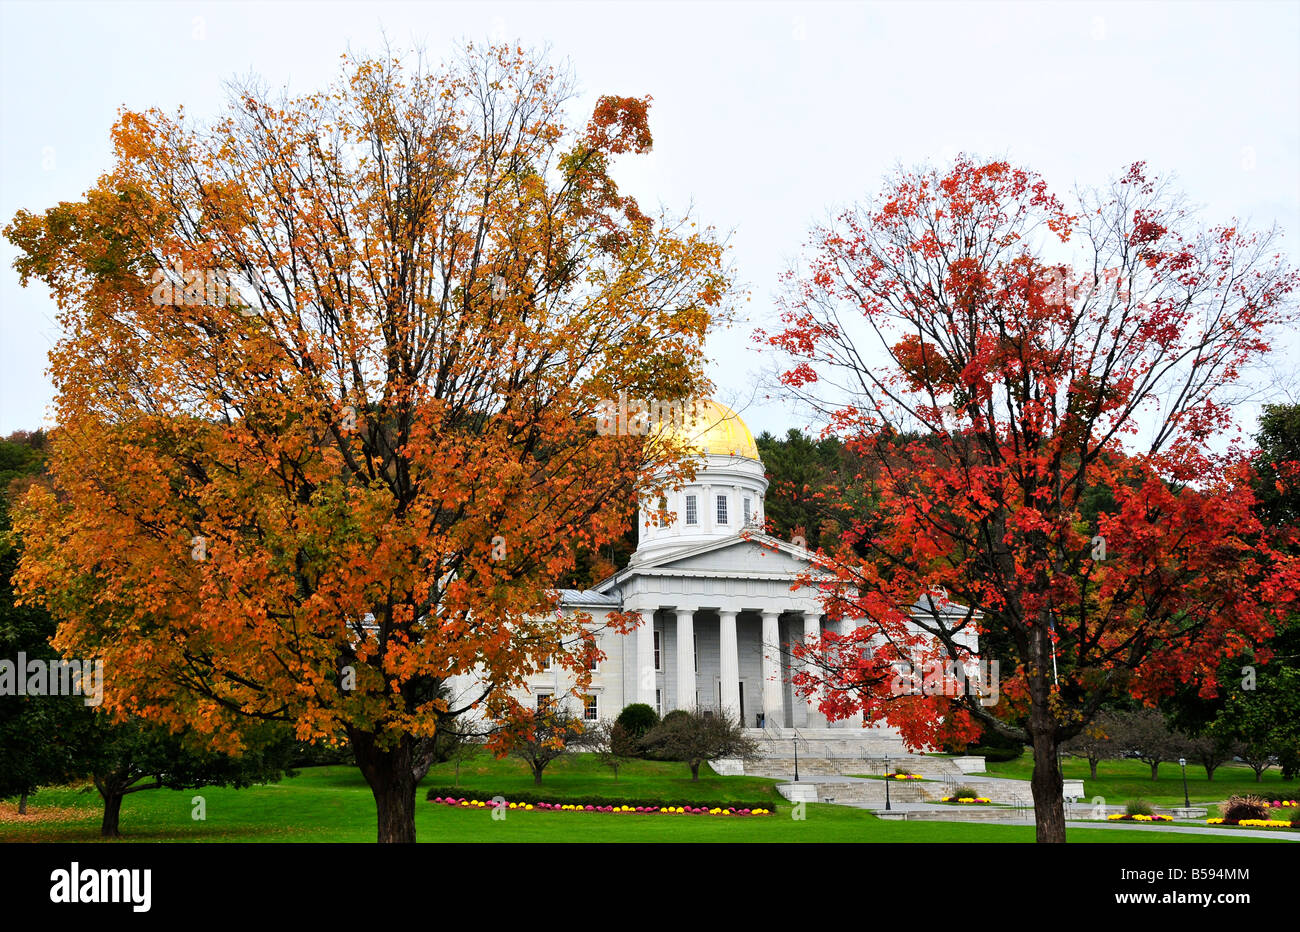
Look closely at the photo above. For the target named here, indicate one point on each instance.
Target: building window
(659, 702)
(662, 518)
(748, 512)
(692, 516)
(590, 711)
(658, 665)
(550, 663)
(544, 700)
(722, 509)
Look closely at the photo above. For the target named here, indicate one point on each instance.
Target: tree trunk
(389, 772)
(1155, 770)
(537, 776)
(22, 803)
(1209, 774)
(695, 771)
(112, 814)
(1092, 766)
(1049, 800)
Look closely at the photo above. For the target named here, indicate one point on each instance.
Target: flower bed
(600, 803)
(903, 776)
(1138, 817)
(1283, 803)
(467, 803)
(1254, 823)
(966, 800)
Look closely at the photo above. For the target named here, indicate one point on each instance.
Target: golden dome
(708, 426)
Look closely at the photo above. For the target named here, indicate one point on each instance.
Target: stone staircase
(871, 793)
(840, 752)
(832, 761)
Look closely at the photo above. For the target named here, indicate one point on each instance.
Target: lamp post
(887, 807)
(796, 759)
(1182, 762)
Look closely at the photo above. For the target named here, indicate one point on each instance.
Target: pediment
(755, 556)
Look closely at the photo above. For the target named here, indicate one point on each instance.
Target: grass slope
(1121, 780)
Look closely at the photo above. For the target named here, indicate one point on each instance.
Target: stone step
(873, 791)
(930, 768)
(974, 814)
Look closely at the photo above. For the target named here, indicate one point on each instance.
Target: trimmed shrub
(965, 792)
(637, 719)
(675, 715)
(1138, 807)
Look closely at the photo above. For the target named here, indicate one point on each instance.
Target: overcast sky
(765, 116)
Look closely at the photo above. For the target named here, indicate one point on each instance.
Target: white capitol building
(721, 605)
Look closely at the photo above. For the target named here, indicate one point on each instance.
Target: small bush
(903, 771)
(1236, 808)
(306, 754)
(676, 715)
(965, 792)
(1295, 817)
(995, 755)
(1138, 807)
(637, 719)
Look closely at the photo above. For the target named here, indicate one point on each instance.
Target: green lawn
(1121, 780)
(583, 775)
(334, 804)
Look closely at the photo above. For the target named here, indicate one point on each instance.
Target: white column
(685, 658)
(730, 664)
(812, 631)
(645, 660)
(773, 700)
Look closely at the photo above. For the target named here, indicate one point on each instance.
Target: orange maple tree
(1043, 396)
(325, 400)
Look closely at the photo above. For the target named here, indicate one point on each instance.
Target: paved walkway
(955, 816)
(1022, 788)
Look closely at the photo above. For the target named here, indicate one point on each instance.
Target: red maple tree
(1043, 393)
